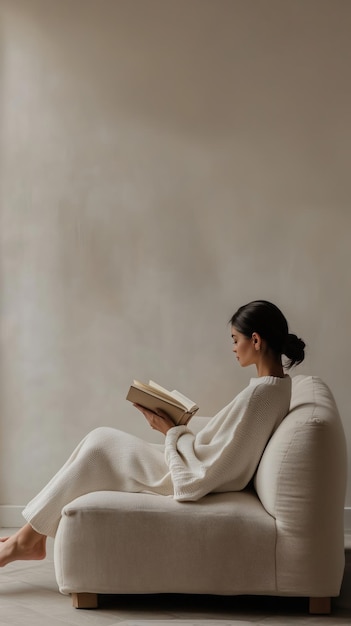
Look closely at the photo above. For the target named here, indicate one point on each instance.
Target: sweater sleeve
(225, 454)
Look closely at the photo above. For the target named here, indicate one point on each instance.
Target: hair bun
(294, 349)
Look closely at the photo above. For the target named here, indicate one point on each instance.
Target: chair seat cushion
(113, 542)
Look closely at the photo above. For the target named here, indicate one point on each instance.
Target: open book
(154, 397)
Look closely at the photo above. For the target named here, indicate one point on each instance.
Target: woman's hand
(158, 421)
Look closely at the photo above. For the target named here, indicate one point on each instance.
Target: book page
(174, 395)
(189, 404)
(157, 390)
(158, 387)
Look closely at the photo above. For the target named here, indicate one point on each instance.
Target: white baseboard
(347, 519)
(11, 516)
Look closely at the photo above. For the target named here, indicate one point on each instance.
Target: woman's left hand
(158, 421)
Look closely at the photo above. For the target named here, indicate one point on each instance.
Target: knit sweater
(224, 455)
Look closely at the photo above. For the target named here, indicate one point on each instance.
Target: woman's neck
(270, 368)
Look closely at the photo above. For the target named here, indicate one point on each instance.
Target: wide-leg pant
(105, 460)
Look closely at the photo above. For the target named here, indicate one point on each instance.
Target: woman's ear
(257, 341)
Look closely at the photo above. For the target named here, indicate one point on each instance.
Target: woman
(223, 456)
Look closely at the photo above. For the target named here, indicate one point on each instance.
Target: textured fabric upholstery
(285, 538)
(139, 543)
(301, 481)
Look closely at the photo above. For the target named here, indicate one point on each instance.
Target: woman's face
(244, 348)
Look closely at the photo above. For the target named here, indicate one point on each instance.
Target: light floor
(29, 597)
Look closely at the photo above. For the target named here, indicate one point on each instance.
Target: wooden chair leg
(320, 606)
(85, 600)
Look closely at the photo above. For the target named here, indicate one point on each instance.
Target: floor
(29, 597)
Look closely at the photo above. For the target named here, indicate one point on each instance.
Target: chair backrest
(301, 482)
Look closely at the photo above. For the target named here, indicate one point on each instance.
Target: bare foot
(25, 545)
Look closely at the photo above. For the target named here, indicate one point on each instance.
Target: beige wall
(162, 163)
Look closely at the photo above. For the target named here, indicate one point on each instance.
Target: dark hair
(268, 321)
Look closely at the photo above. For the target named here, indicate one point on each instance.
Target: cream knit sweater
(223, 456)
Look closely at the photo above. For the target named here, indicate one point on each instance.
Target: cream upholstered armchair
(281, 536)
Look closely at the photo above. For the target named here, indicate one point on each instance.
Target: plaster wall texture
(163, 163)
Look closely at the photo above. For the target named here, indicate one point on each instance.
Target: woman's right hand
(158, 421)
